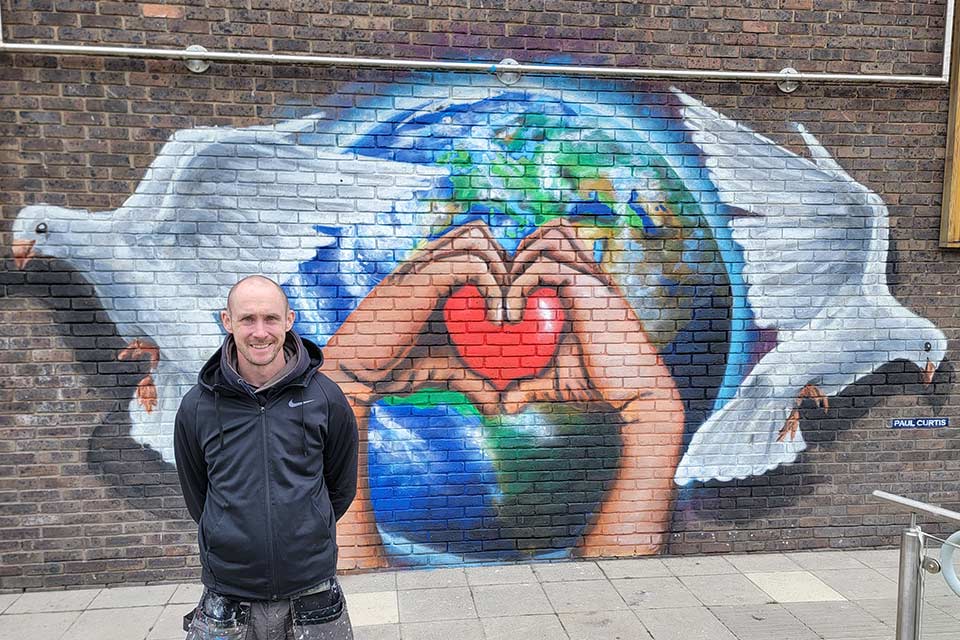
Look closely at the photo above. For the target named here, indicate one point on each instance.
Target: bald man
(266, 450)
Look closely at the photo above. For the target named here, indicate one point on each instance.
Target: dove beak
(928, 372)
(22, 252)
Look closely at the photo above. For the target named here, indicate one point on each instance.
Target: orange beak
(928, 372)
(22, 252)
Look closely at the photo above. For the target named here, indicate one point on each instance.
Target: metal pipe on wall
(538, 69)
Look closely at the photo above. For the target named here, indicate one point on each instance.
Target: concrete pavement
(826, 595)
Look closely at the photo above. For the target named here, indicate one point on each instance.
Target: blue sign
(919, 423)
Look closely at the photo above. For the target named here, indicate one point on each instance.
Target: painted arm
(379, 350)
(606, 358)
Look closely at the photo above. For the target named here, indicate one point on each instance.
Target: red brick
(162, 11)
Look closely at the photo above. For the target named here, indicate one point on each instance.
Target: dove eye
(41, 228)
(927, 346)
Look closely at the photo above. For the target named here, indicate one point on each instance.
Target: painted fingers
(607, 354)
(378, 337)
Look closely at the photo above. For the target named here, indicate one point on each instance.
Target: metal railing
(914, 563)
(201, 57)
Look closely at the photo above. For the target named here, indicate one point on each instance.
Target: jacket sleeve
(191, 466)
(340, 453)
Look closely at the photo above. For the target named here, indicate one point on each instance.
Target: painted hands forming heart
(546, 326)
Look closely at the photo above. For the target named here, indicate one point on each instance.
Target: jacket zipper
(266, 471)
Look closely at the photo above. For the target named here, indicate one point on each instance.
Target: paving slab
(427, 605)
(839, 620)
(42, 626)
(604, 625)
(7, 599)
(934, 586)
(950, 605)
(634, 568)
(442, 630)
(536, 627)
(582, 596)
(684, 624)
(826, 560)
(886, 610)
(118, 597)
(699, 566)
(876, 558)
(510, 600)
(725, 589)
(373, 608)
(132, 623)
(187, 594)
(655, 593)
(431, 579)
(763, 622)
(368, 582)
(169, 626)
(48, 601)
(795, 586)
(763, 563)
(859, 584)
(934, 620)
(893, 573)
(508, 574)
(563, 571)
(377, 632)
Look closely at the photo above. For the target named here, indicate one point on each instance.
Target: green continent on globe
(647, 229)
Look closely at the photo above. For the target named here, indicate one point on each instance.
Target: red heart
(511, 351)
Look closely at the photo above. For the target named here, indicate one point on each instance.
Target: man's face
(258, 317)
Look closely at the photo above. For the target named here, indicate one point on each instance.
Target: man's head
(258, 315)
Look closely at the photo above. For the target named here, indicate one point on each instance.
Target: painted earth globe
(449, 484)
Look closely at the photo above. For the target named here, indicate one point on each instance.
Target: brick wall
(691, 247)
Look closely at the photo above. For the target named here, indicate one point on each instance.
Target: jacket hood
(303, 358)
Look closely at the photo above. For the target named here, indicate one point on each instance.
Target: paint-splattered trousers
(318, 614)
(273, 621)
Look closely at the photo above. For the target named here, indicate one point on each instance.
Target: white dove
(815, 254)
(216, 205)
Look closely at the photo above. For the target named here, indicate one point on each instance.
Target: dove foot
(139, 347)
(813, 393)
(146, 389)
(792, 425)
(147, 394)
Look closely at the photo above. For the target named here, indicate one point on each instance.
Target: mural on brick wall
(549, 306)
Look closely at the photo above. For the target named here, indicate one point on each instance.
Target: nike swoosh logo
(294, 405)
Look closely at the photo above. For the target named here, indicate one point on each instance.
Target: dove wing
(810, 234)
(741, 439)
(176, 163)
(263, 198)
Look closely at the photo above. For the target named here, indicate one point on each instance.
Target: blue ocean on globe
(447, 484)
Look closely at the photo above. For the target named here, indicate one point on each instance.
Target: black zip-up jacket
(266, 474)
